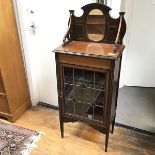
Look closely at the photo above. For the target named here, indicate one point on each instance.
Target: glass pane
(78, 76)
(69, 106)
(68, 75)
(85, 96)
(99, 98)
(79, 110)
(89, 79)
(69, 92)
(99, 80)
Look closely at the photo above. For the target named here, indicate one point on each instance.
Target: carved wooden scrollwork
(101, 25)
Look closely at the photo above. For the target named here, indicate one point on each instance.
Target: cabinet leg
(106, 141)
(62, 128)
(113, 124)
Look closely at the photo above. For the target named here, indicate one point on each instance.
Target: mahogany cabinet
(88, 69)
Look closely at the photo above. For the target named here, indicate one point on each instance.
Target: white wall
(115, 5)
(119, 6)
(140, 52)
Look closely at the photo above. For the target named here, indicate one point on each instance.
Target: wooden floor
(80, 139)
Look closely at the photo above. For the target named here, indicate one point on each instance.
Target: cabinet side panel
(11, 59)
(4, 108)
(2, 88)
(3, 98)
(115, 84)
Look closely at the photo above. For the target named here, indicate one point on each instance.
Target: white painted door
(29, 40)
(140, 58)
(51, 18)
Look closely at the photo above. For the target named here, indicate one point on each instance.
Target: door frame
(127, 7)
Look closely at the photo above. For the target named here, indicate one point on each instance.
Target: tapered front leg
(113, 124)
(61, 120)
(62, 127)
(106, 140)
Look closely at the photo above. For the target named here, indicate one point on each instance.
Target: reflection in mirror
(95, 25)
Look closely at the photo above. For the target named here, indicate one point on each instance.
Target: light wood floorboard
(80, 139)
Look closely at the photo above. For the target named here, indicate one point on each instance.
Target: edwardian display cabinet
(88, 68)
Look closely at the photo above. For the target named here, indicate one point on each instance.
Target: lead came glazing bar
(82, 97)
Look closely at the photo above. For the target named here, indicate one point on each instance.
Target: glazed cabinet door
(84, 93)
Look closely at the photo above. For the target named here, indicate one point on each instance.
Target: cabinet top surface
(91, 49)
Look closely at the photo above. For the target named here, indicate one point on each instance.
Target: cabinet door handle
(60, 94)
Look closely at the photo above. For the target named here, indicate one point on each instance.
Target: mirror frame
(114, 31)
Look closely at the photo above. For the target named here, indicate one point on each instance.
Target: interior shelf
(94, 20)
(95, 23)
